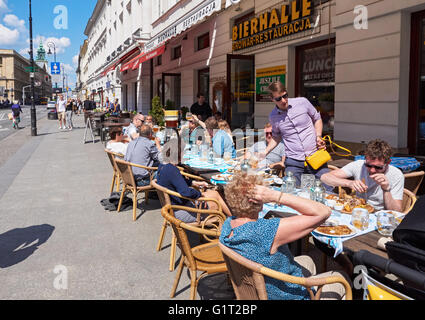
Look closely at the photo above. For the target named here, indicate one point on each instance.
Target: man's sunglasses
(370, 166)
(277, 99)
(269, 133)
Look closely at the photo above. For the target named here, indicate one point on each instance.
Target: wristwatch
(388, 190)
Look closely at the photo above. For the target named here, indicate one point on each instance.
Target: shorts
(61, 115)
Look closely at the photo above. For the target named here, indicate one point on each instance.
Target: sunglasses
(269, 133)
(370, 166)
(277, 99)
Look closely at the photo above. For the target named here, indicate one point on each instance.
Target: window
(176, 52)
(203, 41)
(1, 61)
(159, 60)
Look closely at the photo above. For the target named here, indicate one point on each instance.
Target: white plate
(353, 232)
(222, 177)
(278, 180)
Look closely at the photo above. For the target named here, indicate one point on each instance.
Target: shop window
(176, 52)
(316, 79)
(203, 41)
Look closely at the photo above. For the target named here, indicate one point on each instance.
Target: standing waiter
(299, 126)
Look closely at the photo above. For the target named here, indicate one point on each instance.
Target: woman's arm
(313, 214)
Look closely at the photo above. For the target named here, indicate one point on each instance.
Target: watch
(388, 190)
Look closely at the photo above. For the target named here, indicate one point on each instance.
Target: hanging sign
(273, 24)
(264, 77)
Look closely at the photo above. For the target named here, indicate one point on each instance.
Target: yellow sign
(269, 72)
(273, 24)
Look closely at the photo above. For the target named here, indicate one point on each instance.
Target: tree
(157, 111)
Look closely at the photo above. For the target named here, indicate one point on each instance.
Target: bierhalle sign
(273, 24)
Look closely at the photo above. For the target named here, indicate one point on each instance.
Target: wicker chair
(129, 183)
(204, 257)
(413, 180)
(116, 179)
(247, 278)
(409, 200)
(164, 197)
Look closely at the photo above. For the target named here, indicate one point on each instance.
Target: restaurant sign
(206, 9)
(266, 76)
(277, 23)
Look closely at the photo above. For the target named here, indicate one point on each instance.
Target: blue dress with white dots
(253, 240)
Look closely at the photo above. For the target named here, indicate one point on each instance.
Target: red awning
(135, 62)
(109, 69)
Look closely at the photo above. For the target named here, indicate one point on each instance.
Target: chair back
(413, 180)
(126, 173)
(179, 228)
(112, 156)
(247, 281)
(409, 200)
(163, 195)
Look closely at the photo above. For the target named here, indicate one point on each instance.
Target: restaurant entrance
(416, 130)
(239, 111)
(170, 90)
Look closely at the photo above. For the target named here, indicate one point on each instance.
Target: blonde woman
(265, 241)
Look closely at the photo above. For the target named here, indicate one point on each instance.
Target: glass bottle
(245, 166)
(290, 182)
(318, 192)
(211, 156)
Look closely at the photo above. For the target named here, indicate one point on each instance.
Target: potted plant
(157, 111)
(184, 110)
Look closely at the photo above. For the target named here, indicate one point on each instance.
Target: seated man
(132, 131)
(221, 141)
(169, 176)
(191, 132)
(145, 152)
(374, 178)
(276, 158)
(115, 144)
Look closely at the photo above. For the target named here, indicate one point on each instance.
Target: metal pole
(33, 113)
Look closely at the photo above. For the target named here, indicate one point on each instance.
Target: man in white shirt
(374, 178)
(133, 130)
(61, 109)
(115, 144)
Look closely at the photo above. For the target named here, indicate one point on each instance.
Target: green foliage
(157, 111)
(169, 105)
(184, 110)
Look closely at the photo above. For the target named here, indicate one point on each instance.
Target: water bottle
(290, 182)
(318, 192)
(211, 156)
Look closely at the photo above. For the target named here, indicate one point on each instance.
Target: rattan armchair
(215, 219)
(116, 178)
(413, 180)
(206, 258)
(409, 200)
(247, 278)
(129, 183)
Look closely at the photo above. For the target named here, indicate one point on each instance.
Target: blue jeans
(298, 168)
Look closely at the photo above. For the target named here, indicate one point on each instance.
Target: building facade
(15, 78)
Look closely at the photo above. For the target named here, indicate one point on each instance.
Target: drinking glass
(386, 223)
(360, 218)
(307, 182)
(188, 116)
(253, 162)
(227, 156)
(204, 152)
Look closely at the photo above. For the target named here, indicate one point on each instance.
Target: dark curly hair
(379, 149)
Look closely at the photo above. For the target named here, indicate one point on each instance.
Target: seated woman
(265, 241)
(169, 176)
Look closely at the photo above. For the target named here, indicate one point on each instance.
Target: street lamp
(33, 114)
(49, 44)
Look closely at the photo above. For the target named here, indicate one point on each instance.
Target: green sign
(266, 76)
(31, 69)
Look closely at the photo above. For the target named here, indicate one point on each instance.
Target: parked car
(51, 105)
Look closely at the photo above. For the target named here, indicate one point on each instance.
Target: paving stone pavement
(57, 241)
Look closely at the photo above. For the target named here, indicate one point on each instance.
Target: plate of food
(341, 230)
(222, 177)
(348, 208)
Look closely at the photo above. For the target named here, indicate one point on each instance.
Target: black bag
(408, 247)
(112, 202)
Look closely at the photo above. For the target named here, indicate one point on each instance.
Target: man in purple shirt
(299, 126)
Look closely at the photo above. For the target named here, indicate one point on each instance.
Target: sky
(59, 21)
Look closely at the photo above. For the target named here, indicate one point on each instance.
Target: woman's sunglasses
(277, 99)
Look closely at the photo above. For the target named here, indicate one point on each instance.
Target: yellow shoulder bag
(321, 156)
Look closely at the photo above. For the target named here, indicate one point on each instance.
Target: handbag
(10, 115)
(321, 156)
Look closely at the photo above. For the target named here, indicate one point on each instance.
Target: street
(6, 128)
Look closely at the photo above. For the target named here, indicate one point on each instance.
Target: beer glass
(360, 218)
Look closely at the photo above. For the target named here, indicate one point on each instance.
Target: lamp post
(49, 44)
(33, 113)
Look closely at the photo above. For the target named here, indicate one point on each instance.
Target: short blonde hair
(277, 87)
(237, 194)
(223, 125)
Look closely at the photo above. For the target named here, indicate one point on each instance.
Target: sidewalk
(51, 217)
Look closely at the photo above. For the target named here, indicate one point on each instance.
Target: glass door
(204, 83)
(239, 111)
(416, 129)
(171, 90)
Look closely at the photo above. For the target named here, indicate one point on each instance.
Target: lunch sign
(277, 23)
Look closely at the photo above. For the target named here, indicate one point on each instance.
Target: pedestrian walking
(61, 109)
(16, 111)
(68, 112)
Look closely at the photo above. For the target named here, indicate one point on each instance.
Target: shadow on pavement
(18, 244)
